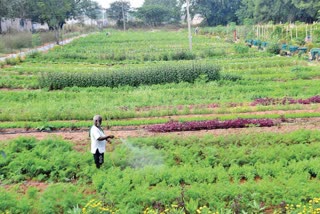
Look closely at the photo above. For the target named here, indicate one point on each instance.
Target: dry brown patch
(23, 187)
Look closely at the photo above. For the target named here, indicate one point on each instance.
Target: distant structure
(82, 20)
(20, 25)
(17, 24)
(197, 19)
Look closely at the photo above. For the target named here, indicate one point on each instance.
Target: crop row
(26, 74)
(183, 54)
(284, 101)
(147, 46)
(45, 125)
(142, 76)
(233, 63)
(216, 171)
(173, 126)
(123, 102)
(260, 101)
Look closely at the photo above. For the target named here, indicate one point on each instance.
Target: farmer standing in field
(98, 141)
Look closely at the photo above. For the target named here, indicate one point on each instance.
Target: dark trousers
(98, 158)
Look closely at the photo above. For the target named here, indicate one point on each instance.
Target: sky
(106, 3)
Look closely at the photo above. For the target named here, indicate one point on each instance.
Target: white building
(17, 24)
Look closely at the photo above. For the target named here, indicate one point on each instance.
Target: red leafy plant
(173, 126)
(287, 100)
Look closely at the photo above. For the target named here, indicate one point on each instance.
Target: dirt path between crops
(42, 48)
(81, 141)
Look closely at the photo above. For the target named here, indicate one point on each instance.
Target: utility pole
(103, 18)
(189, 26)
(123, 17)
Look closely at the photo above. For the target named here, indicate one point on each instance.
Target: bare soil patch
(24, 186)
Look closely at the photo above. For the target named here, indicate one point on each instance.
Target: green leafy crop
(140, 76)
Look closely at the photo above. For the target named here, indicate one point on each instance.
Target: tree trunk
(57, 34)
(0, 25)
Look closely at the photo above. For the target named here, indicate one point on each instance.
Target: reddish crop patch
(261, 101)
(173, 126)
(284, 101)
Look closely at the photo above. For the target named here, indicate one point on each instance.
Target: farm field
(222, 129)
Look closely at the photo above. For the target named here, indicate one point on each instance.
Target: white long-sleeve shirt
(95, 133)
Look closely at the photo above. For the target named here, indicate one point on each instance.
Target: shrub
(183, 55)
(2, 47)
(18, 40)
(34, 54)
(283, 53)
(241, 49)
(36, 40)
(12, 61)
(46, 37)
(231, 77)
(273, 49)
(213, 52)
(166, 56)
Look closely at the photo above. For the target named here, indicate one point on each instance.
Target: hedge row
(141, 76)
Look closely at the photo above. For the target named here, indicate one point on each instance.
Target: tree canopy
(56, 12)
(118, 11)
(153, 15)
(156, 12)
(13, 9)
(53, 12)
(221, 12)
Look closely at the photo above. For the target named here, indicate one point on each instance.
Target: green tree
(172, 7)
(309, 10)
(153, 15)
(246, 10)
(275, 10)
(19, 8)
(278, 10)
(88, 8)
(264, 10)
(52, 12)
(4, 11)
(56, 12)
(13, 9)
(218, 12)
(118, 11)
(10, 8)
